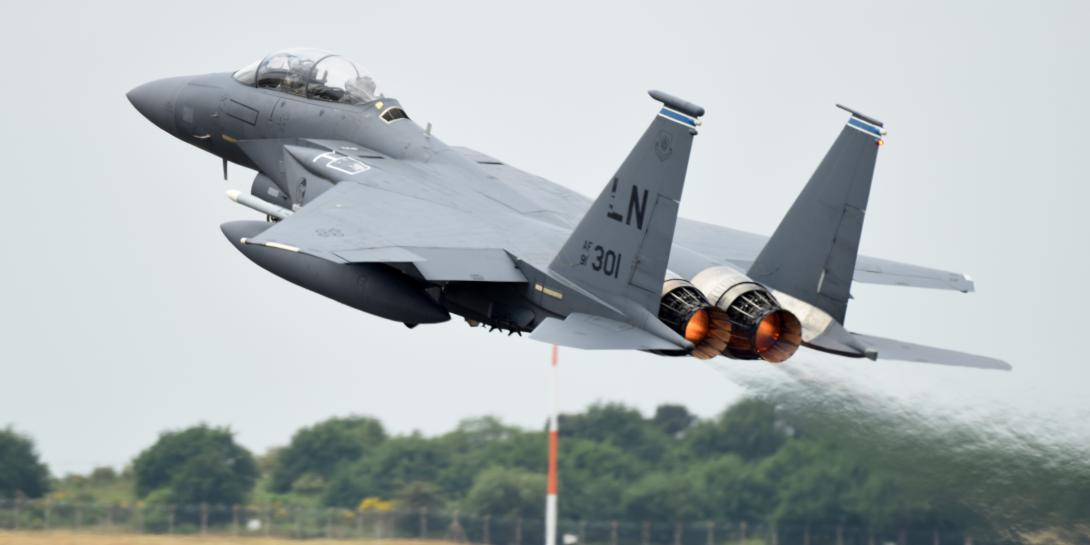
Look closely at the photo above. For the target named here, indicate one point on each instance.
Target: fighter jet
(368, 208)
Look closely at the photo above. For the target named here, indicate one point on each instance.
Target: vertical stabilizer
(813, 251)
(622, 245)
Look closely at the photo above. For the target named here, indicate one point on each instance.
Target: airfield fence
(308, 522)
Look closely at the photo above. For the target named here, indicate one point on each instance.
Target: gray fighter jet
(368, 208)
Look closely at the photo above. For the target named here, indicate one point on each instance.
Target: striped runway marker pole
(554, 429)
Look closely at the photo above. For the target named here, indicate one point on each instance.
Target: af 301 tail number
(600, 259)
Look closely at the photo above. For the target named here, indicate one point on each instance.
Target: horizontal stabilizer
(892, 349)
(590, 332)
(837, 340)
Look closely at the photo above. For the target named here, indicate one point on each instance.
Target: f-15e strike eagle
(367, 208)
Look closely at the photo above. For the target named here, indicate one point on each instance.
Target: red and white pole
(554, 439)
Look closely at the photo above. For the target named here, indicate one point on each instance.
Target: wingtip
(968, 285)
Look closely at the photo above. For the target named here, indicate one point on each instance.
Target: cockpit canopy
(312, 73)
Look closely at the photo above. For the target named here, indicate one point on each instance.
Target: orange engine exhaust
(759, 327)
(768, 333)
(771, 334)
(688, 313)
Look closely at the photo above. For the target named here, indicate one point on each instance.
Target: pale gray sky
(124, 311)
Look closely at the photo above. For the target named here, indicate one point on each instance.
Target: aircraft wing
(356, 223)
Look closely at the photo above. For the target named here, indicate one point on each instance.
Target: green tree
(814, 483)
(592, 476)
(889, 504)
(673, 420)
(662, 497)
(505, 492)
(419, 495)
(524, 450)
(479, 443)
(748, 428)
(21, 471)
(620, 426)
(731, 489)
(103, 475)
(316, 452)
(200, 464)
(480, 432)
(385, 470)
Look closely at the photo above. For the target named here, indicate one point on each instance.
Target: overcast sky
(124, 311)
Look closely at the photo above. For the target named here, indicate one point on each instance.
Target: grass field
(86, 538)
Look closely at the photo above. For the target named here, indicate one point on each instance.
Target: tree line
(746, 464)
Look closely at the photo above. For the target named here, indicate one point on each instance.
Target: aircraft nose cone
(155, 100)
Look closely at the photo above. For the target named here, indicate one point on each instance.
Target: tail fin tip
(678, 104)
(860, 115)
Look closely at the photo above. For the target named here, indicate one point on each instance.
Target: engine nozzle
(686, 311)
(759, 327)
